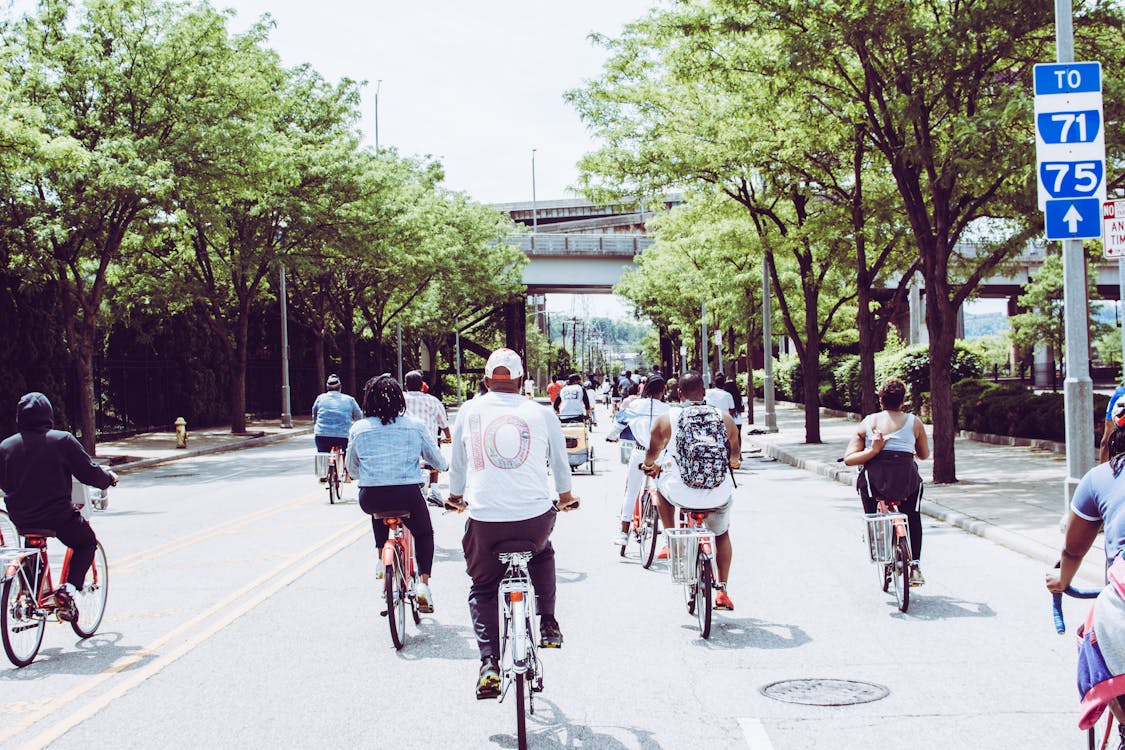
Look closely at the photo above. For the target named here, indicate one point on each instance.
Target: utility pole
(704, 363)
(378, 85)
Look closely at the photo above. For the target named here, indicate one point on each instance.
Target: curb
(934, 509)
(253, 442)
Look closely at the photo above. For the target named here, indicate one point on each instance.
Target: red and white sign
(1113, 229)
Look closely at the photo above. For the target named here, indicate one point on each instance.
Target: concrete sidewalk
(1008, 494)
(153, 448)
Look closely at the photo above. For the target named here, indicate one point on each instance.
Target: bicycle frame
(15, 562)
(399, 537)
(517, 606)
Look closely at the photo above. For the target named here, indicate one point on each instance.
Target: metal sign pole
(1078, 390)
(286, 408)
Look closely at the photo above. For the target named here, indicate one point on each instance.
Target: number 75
(1086, 177)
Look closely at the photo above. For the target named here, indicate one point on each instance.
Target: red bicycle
(692, 548)
(28, 592)
(400, 576)
(888, 542)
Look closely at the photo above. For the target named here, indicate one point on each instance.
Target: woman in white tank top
(899, 433)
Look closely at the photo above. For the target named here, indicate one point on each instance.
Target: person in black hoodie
(36, 466)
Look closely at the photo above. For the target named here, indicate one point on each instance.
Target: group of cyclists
(686, 438)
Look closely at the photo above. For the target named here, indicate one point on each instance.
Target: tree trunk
(941, 319)
(810, 363)
(865, 320)
(318, 349)
(83, 355)
(238, 375)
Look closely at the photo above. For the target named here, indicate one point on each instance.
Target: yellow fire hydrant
(181, 432)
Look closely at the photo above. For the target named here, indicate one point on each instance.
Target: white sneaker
(424, 598)
(621, 539)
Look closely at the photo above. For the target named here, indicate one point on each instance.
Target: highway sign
(1074, 219)
(1113, 229)
(1070, 148)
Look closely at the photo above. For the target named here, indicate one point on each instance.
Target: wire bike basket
(881, 535)
(683, 546)
(627, 447)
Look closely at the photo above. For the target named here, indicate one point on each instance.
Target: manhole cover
(816, 692)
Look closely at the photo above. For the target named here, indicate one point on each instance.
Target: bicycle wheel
(521, 712)
(92, 596)
(22, 629)
(333, 484)
(8, 535)
(703, 595)
(394, 586)
(901, 574)
(650, 531)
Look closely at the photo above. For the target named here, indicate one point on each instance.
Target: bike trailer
(578, 448)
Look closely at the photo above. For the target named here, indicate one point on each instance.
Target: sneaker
(663, 554)
(488, 683)
(424, 598)
(67, 610)
(621, 539)
(722, 601)
(433, 497)
(916, 577)
(549, 634)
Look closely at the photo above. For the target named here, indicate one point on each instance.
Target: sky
(477, 85)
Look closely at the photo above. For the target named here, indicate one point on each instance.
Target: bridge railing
(543, 243)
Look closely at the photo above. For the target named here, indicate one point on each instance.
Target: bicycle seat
(381, 514)
(513, 545)
(37, 532)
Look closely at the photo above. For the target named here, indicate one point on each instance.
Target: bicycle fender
(389, 553)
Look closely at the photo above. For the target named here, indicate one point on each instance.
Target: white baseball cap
(507, 359)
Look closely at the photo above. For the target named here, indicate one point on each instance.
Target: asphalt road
(244, 611)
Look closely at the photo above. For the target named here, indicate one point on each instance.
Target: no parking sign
(1113, 229)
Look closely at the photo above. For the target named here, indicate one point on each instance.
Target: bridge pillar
(515, 326)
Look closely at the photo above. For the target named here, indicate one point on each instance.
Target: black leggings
(402, 497)
(913, 519)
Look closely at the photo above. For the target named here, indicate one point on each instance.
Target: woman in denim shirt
(383, 454)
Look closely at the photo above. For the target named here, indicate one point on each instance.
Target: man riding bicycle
(431, 412)
(333, 413)
(573, 403)
(36, 466)
(691, 449)
(502, 444)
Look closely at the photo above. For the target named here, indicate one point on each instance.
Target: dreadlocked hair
(1117, 449)
(382, 398)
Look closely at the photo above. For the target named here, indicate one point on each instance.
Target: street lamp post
(378, 85)
(767, 347)
(534, 210)
(286, 409)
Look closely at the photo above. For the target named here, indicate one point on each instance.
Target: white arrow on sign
(1072, 217)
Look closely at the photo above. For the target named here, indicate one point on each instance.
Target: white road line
(231, 608)
(755, 733)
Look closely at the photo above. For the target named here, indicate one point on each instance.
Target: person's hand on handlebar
(456, 503)
(652, 470)
(566, 502)
(116, 478)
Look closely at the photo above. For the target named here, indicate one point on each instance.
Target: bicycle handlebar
(1056, 604)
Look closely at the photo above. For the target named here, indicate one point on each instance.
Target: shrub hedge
(979, 405)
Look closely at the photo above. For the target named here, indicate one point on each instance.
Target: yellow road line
(129, 562)
(231, 608)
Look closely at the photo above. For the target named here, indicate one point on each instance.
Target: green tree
(122, 86)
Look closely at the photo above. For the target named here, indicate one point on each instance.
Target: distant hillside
(987, 324)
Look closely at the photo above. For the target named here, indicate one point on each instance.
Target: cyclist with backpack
(635, 423)
(692, 449)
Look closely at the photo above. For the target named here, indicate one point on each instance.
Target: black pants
(324, 443)
(486, 570)
(402, 497)
(73, 531)
(913, 519)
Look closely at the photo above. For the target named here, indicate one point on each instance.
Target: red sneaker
(722, 601)
(663, 553)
